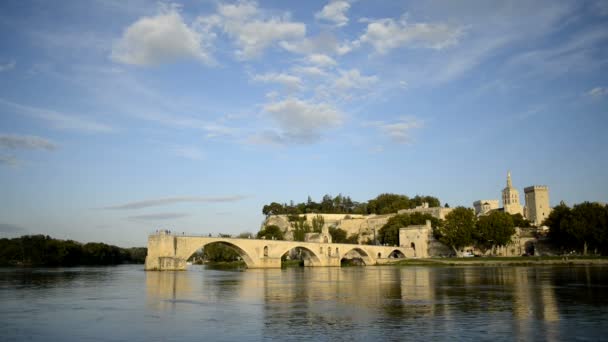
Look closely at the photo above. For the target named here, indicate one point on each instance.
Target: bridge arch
(396, 254)
(188, 252)
(365, 256)
(313, 256)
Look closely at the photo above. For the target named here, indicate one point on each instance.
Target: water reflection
(370, 303)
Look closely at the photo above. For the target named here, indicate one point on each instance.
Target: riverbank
(505, 261)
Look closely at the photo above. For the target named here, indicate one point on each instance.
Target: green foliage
(583, 227)
(495, 229)
(382, 204)
(389, 233)
(271, 232)
(317, 223)
(40, 250)
(219, 252)
(338, 235)
(520, 222)
(300, 227)
(457, 229)
(354, 239)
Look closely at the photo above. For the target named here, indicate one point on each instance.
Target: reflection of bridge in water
(170, 252)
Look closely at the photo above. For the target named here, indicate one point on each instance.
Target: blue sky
(118, 118)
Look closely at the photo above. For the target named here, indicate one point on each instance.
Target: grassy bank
(505, 261)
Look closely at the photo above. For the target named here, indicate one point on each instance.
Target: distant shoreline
(504, 261)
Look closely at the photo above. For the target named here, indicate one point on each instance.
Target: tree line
(382, 204)
(460, 229)
(41, 250)
(582, 228)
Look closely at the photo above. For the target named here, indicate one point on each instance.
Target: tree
(446, 205)
(271, 232)
(300, 227)
(495, 229)
(219, 252)
(273, 209)
(519, 221)
(588, 226)
(556, 221)
(580, 228)
(388, 204)
(457, 229)
(338, 235)
(317, 223)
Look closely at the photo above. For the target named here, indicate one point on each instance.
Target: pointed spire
(509, 184)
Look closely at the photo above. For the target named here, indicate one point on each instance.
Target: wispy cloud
(59, 120)
(188, 152)
(400, 130)
(11, 228)
(7, 66)
(9, 160)
(173, 200)
(598, 92)
(10, 141)
(387, 34)
(158, 216)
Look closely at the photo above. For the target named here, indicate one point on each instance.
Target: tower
(510, 198)
(537, 203)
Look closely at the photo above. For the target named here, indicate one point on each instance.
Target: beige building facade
(537, 207)
(483, 207)
(417, 238)
(510, 198)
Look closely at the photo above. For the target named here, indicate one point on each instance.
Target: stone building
(416, 237)
(483, 207)
(436, 212)
(537, 204)
(510, 198)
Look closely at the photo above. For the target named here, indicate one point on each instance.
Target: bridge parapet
(171, 251)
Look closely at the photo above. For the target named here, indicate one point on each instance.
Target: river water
(388, 303)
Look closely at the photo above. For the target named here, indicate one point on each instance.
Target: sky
(118, 118)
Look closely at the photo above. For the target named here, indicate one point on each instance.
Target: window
(265, 251)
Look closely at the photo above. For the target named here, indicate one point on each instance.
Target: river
(124, 303)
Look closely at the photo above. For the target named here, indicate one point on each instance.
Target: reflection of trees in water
(50, 278)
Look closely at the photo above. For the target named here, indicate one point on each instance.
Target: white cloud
(387, 34)
(161, 39)
(309, 71)
(253, 33)
(25, 142)
(321, 60)
(290, 81)
(352, 79)
(324, 43)
(398, 131)
(335, 12)
(598, 92)
(301, 121)
(8, 66)
(59, 120)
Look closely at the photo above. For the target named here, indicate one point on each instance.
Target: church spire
(509, 184)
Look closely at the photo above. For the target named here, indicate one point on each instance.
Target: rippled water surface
(323, 304)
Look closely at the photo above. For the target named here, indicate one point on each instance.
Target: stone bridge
(170, 252)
